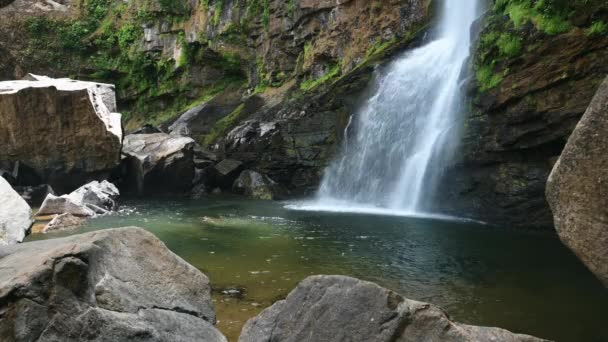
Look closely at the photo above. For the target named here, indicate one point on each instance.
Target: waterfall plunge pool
(527, 282)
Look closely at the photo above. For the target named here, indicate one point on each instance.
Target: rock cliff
(535, 70)
(293, 65)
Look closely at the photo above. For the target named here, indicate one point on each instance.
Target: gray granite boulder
(95, 198)
(159, 162)
(15, 215)
(111, 285)
(577, 189)
(337, 308)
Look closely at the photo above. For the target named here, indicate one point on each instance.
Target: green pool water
(526, 282)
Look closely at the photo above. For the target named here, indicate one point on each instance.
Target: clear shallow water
(523, 281)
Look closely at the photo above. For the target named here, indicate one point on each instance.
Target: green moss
(332, 74)
(217, 12)
(224, 125)
(549, 16)
(598, 28)
(509, 45)
(487, 78)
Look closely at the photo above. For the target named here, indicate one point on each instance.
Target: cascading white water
(403, 135)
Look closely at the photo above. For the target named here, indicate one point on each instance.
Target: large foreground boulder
(111, 285)
(15, 215)
(63, 132)
(337, 308)
(577, 189)
(95, 198)
(159, 162)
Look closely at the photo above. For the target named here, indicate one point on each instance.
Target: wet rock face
(111, 285)
(78, 139)
(517, 130)
(15, 215)
(577, 189)
(159, 162)
(337, 308)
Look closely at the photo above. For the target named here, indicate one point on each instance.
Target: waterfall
(403, 136)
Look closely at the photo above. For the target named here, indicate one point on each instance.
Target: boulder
(63, 222)
(35, 195)
(226, 172)
(337, 308)
(255, 185)
(65, 131)
(15, 215)
(109, 285)
(159, 162)
(88, 200)
(577, 189)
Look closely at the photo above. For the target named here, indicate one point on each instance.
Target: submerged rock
(110, 285)
(15, 215)
(256, 185)
(159, 162)
(337, 308)
(577, 189)
(64, 132)
(63, 222)
(88, 200)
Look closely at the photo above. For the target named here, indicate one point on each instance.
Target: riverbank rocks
(577, 189)
(255, 185)
(15, 215)
(159, 162)
(110, 285)
(95, 198)
(338, 308)
(63, 132)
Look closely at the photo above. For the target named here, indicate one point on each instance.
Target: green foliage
(176, 7)
(126, 35)
(332, 74)
(598, 28)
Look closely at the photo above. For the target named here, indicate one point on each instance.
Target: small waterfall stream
(405, 133)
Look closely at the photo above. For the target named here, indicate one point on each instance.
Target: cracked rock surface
(338, 308)
(111, 285)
